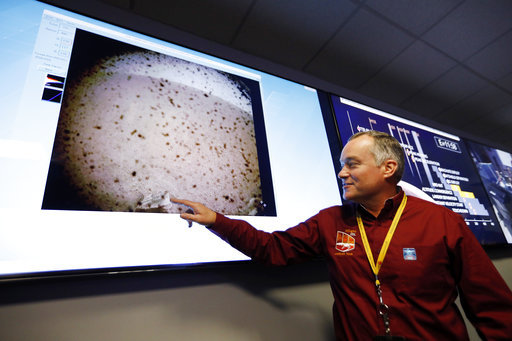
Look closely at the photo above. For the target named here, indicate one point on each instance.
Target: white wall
(247, 302)
(237, 303)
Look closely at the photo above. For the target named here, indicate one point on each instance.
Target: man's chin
(347, 196)
(350, 196)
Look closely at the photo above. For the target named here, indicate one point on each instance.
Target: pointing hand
(198, 212)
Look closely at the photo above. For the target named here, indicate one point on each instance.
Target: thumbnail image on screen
(438, 167)
(495, 169)
(138, 127)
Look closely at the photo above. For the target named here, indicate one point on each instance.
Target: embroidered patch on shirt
(345, 242)
(410, 253)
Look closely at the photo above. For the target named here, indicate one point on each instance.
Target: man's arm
(484, 294)
(278, 248)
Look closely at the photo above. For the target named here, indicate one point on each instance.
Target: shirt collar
(390, 206)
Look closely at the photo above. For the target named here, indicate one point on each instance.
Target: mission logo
(345, 242)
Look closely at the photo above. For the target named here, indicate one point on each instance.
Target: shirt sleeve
(294, 245)
(485, 296)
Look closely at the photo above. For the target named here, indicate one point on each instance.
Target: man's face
(362, 177)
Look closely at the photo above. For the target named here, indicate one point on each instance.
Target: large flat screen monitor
(495, 168)
(101, 126)
(438, 165)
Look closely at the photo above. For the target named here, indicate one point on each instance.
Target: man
(386, 285)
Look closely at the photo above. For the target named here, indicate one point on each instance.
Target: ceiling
(448, 61)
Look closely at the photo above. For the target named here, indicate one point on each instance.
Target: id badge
(388, 338)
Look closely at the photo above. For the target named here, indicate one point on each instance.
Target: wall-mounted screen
(101, 126)
(438, 165)
(495, 169)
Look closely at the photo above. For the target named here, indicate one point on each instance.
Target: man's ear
(390, 166)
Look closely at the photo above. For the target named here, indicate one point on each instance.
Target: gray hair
(385, 147)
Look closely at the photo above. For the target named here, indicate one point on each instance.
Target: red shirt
(433, 254)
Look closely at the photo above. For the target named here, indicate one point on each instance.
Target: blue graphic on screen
(495, 169)
(438, 167)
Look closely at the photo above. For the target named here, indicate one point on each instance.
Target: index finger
(181, 201)
(190, 204)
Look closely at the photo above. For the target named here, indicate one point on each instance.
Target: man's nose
(342, 174)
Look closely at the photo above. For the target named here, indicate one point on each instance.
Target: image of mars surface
(140, 127)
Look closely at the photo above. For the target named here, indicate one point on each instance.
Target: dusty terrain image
(141, 127)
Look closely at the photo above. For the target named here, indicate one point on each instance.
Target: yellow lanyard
(387, 241)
